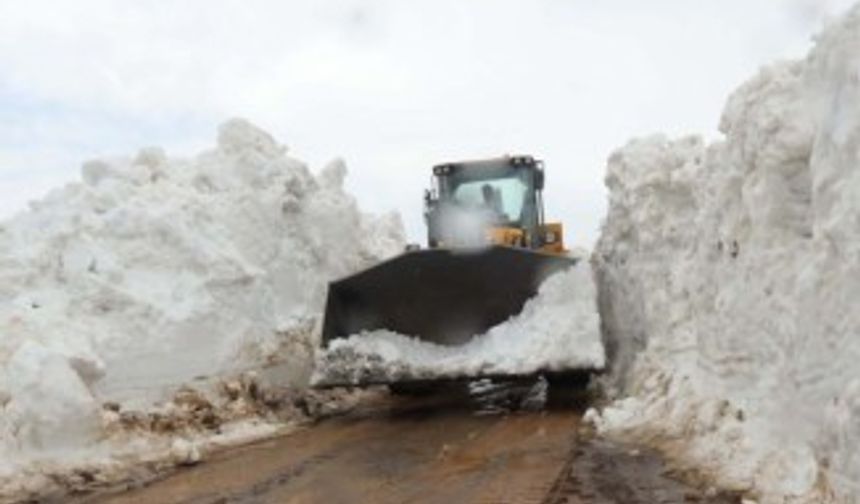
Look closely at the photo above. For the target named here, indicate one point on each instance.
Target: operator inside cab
(493, 202)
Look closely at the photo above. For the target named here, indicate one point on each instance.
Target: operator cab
(478, 203)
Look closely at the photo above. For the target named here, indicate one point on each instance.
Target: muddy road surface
(488, 446)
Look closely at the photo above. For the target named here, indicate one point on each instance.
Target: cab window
(503, 196)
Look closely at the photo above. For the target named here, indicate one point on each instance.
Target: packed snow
(729, 277)
(557, 330)
(155, 273)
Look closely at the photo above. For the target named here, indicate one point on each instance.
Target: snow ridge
(155, 272)
(729, 277)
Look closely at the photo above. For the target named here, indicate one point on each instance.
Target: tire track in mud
(601, 473)
(264, 487)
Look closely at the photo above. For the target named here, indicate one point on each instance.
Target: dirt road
(445, 449)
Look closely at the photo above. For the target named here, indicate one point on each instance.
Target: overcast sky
(391, 86)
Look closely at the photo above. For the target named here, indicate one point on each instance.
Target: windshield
(504, 196)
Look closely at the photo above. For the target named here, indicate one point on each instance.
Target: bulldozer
(488, 250)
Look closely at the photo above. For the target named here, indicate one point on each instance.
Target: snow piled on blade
(154, 273)
(729, 277)
(558, 330)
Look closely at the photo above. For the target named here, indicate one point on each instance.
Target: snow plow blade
(438, 295)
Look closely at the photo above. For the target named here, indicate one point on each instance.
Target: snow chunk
(558, 330)
(50, 407)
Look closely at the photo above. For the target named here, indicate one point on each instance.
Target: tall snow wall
(153, 272)
(729, 282)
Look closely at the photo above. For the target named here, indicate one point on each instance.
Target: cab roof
(518, 161)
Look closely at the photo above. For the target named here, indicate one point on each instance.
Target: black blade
(438, 295)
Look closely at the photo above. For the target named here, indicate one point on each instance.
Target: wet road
(444, 449)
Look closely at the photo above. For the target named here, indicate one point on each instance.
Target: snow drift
(153, 273)
(558, 330)
(729, 277)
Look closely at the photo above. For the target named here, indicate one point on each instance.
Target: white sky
(391, 86)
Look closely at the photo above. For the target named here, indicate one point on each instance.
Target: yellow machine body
(552, 238)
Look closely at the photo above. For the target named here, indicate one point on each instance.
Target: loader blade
(438, 295)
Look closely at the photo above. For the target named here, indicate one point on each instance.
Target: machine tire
(412, 389)
(569, 379)
(568, 389)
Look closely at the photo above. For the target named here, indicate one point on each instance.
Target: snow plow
(488, 251)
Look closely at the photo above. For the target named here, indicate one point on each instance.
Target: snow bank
(154, 272)
(557, 330)
(729, 279)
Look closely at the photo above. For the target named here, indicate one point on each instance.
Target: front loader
(489, 249)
